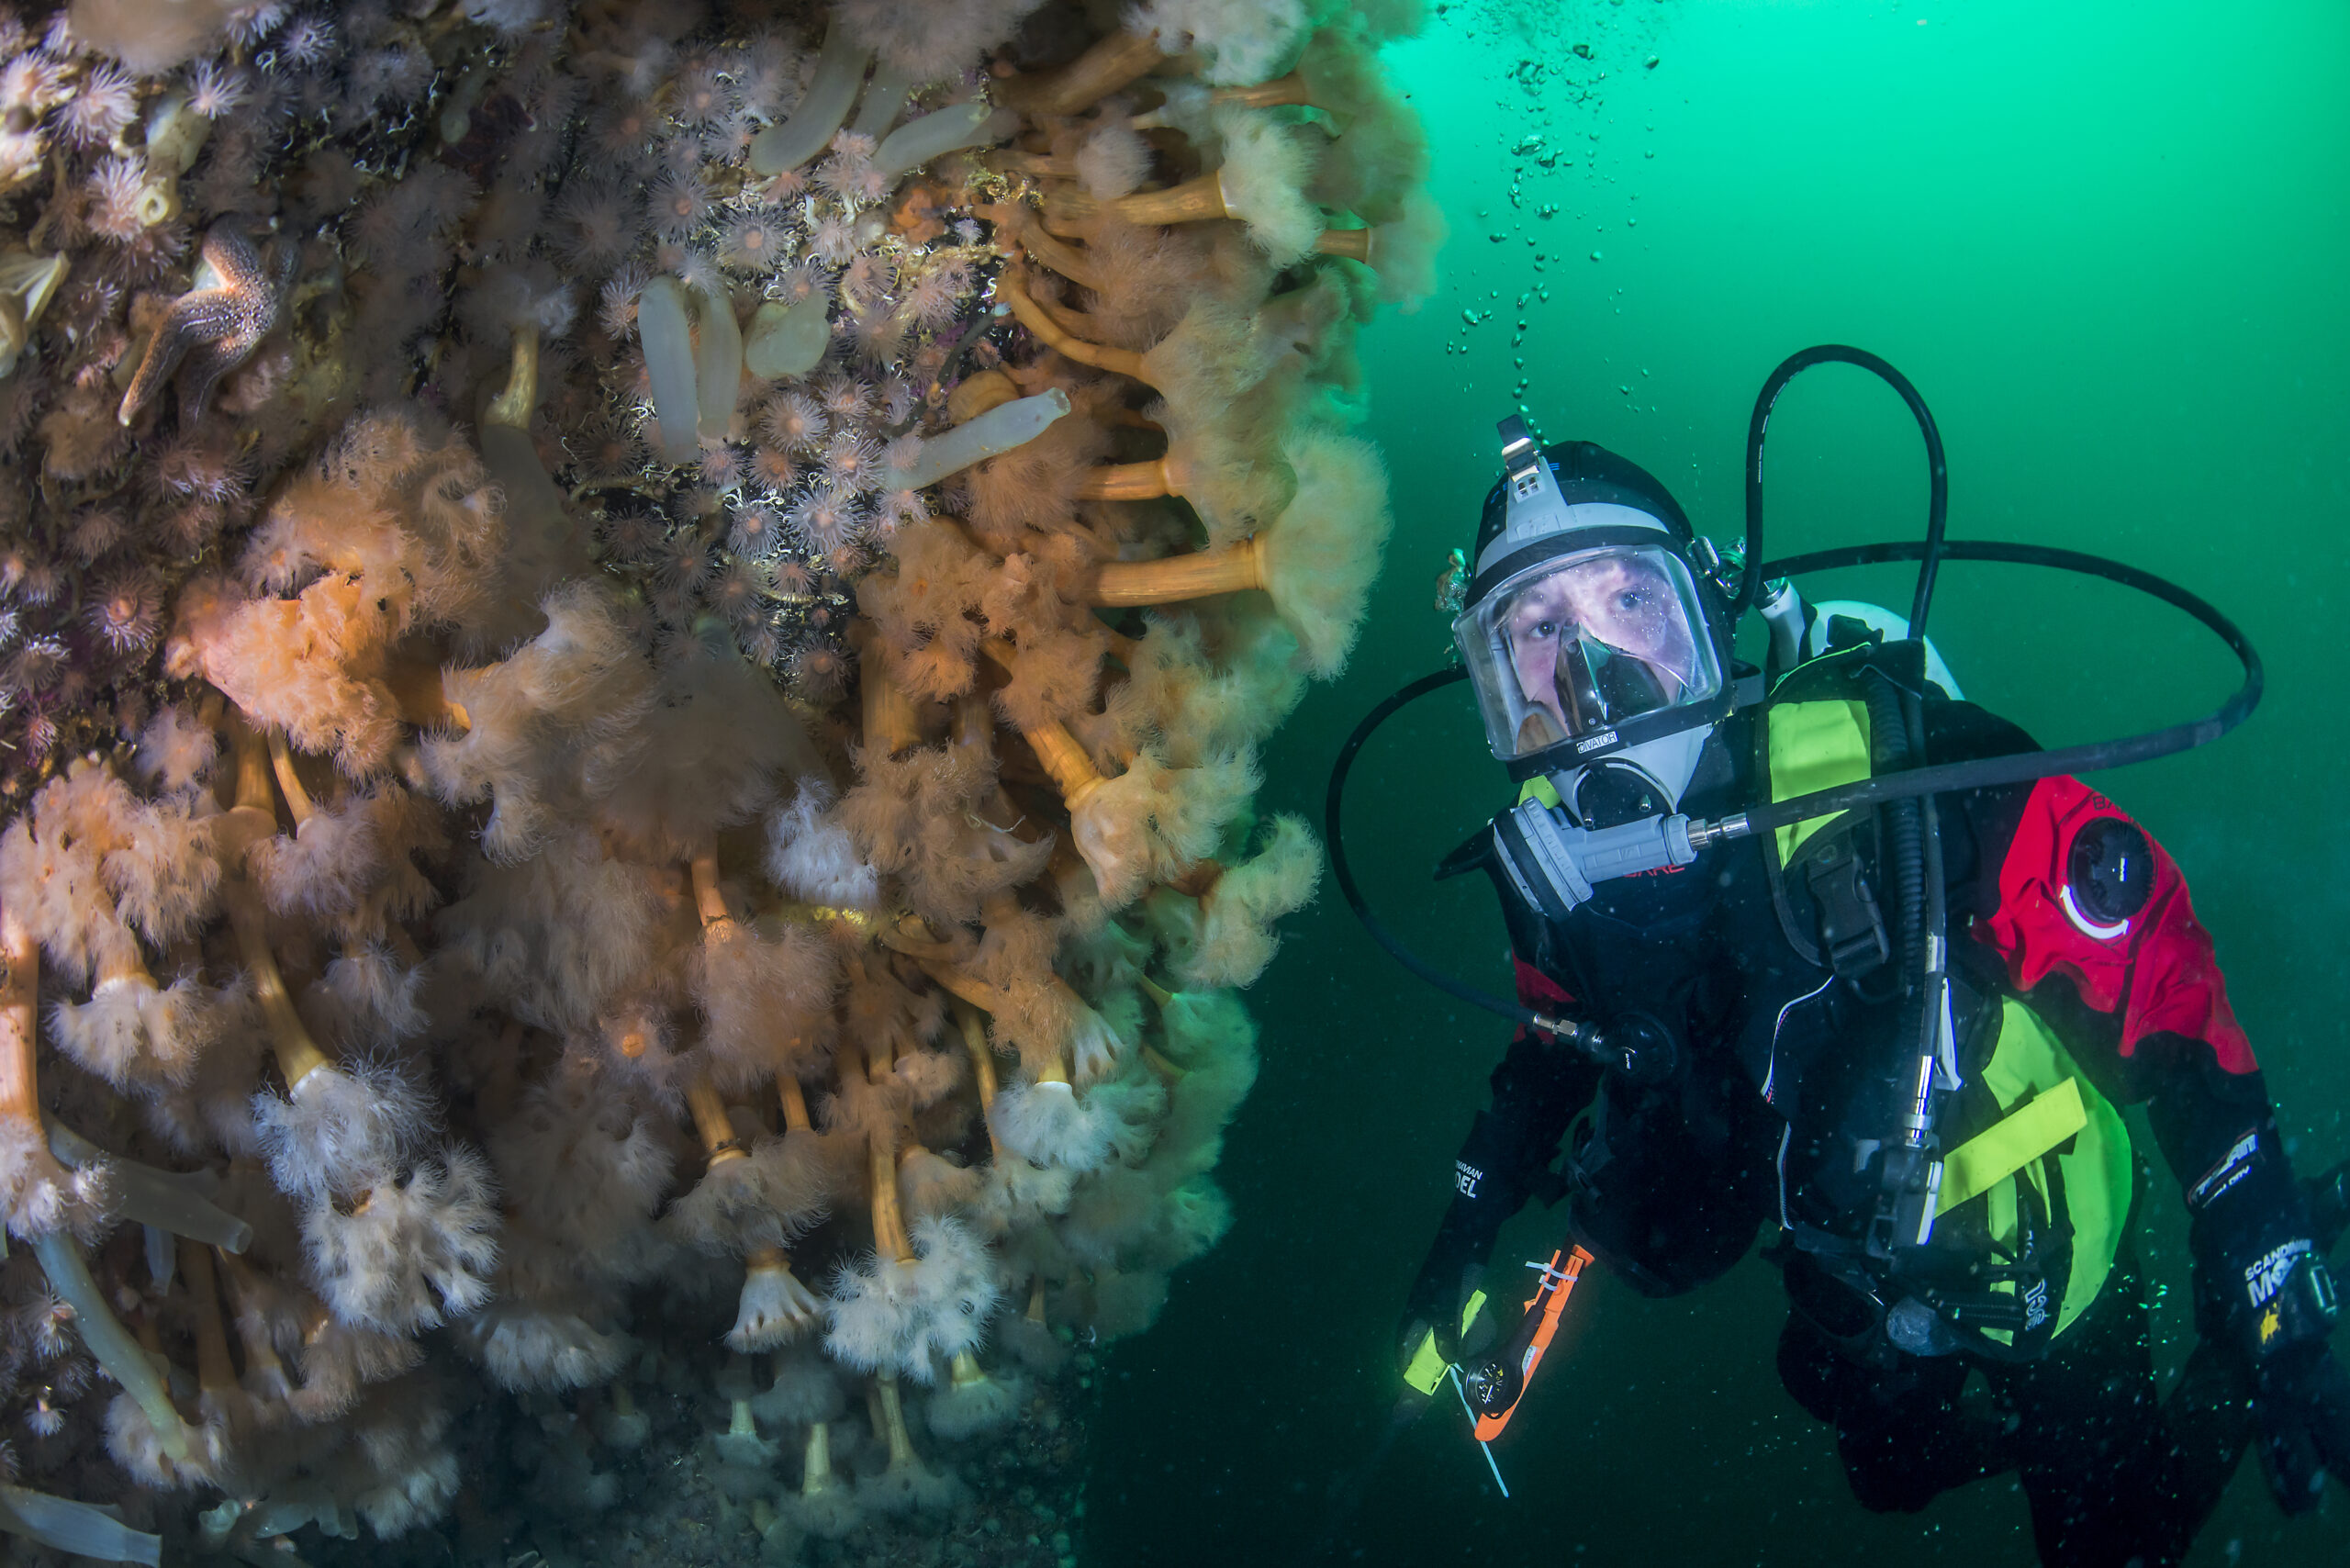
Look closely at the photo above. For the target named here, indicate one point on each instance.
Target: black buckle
(1852, 928)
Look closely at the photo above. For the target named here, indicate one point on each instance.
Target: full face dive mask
(1597, 654)
(1594, 651)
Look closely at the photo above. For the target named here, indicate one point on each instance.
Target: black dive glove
(2264, 1291)
(1485, 1193)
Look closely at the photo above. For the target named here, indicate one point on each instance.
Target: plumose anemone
(631, 659)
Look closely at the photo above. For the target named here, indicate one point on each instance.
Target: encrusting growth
(667, 721)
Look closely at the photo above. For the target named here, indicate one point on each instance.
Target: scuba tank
(1802, 631)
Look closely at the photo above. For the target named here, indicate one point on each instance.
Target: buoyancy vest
(2029, 1137)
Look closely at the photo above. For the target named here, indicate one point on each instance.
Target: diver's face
(1628, 604)
(1623, 602)
(1538, 626)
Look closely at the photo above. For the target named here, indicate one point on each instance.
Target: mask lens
(1580, 644)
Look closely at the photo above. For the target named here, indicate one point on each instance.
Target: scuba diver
(1897, 1033)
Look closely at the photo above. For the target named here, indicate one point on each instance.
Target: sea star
(230, 307)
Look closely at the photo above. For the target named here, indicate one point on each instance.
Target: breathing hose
(1758, 426)
(1333, 805)
(1890, 753)
(2024, 766)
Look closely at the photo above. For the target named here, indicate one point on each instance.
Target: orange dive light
(1493, 1389)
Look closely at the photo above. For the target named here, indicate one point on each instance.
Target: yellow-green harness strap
(1820, 744)
(1814, 745)
(2014, 1141)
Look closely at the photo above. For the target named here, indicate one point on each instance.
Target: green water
(2109, 242)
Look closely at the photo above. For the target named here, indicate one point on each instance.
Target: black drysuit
(1671, 1182)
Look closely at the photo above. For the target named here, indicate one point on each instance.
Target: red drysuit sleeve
(2154, 975)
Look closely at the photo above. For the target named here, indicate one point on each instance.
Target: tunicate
(109, 1344)
(840, 71)
(175, 134)
(998, 430)
(949, 130)
(788, 339)
(178, 1203)
(718, 364)
(669, 366)
(884, 96)
(26, 281)
(78, 1527)
(534, 504)
(162, 1254)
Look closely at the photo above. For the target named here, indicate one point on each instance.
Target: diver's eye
(1631, 598)
(1542, 631)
